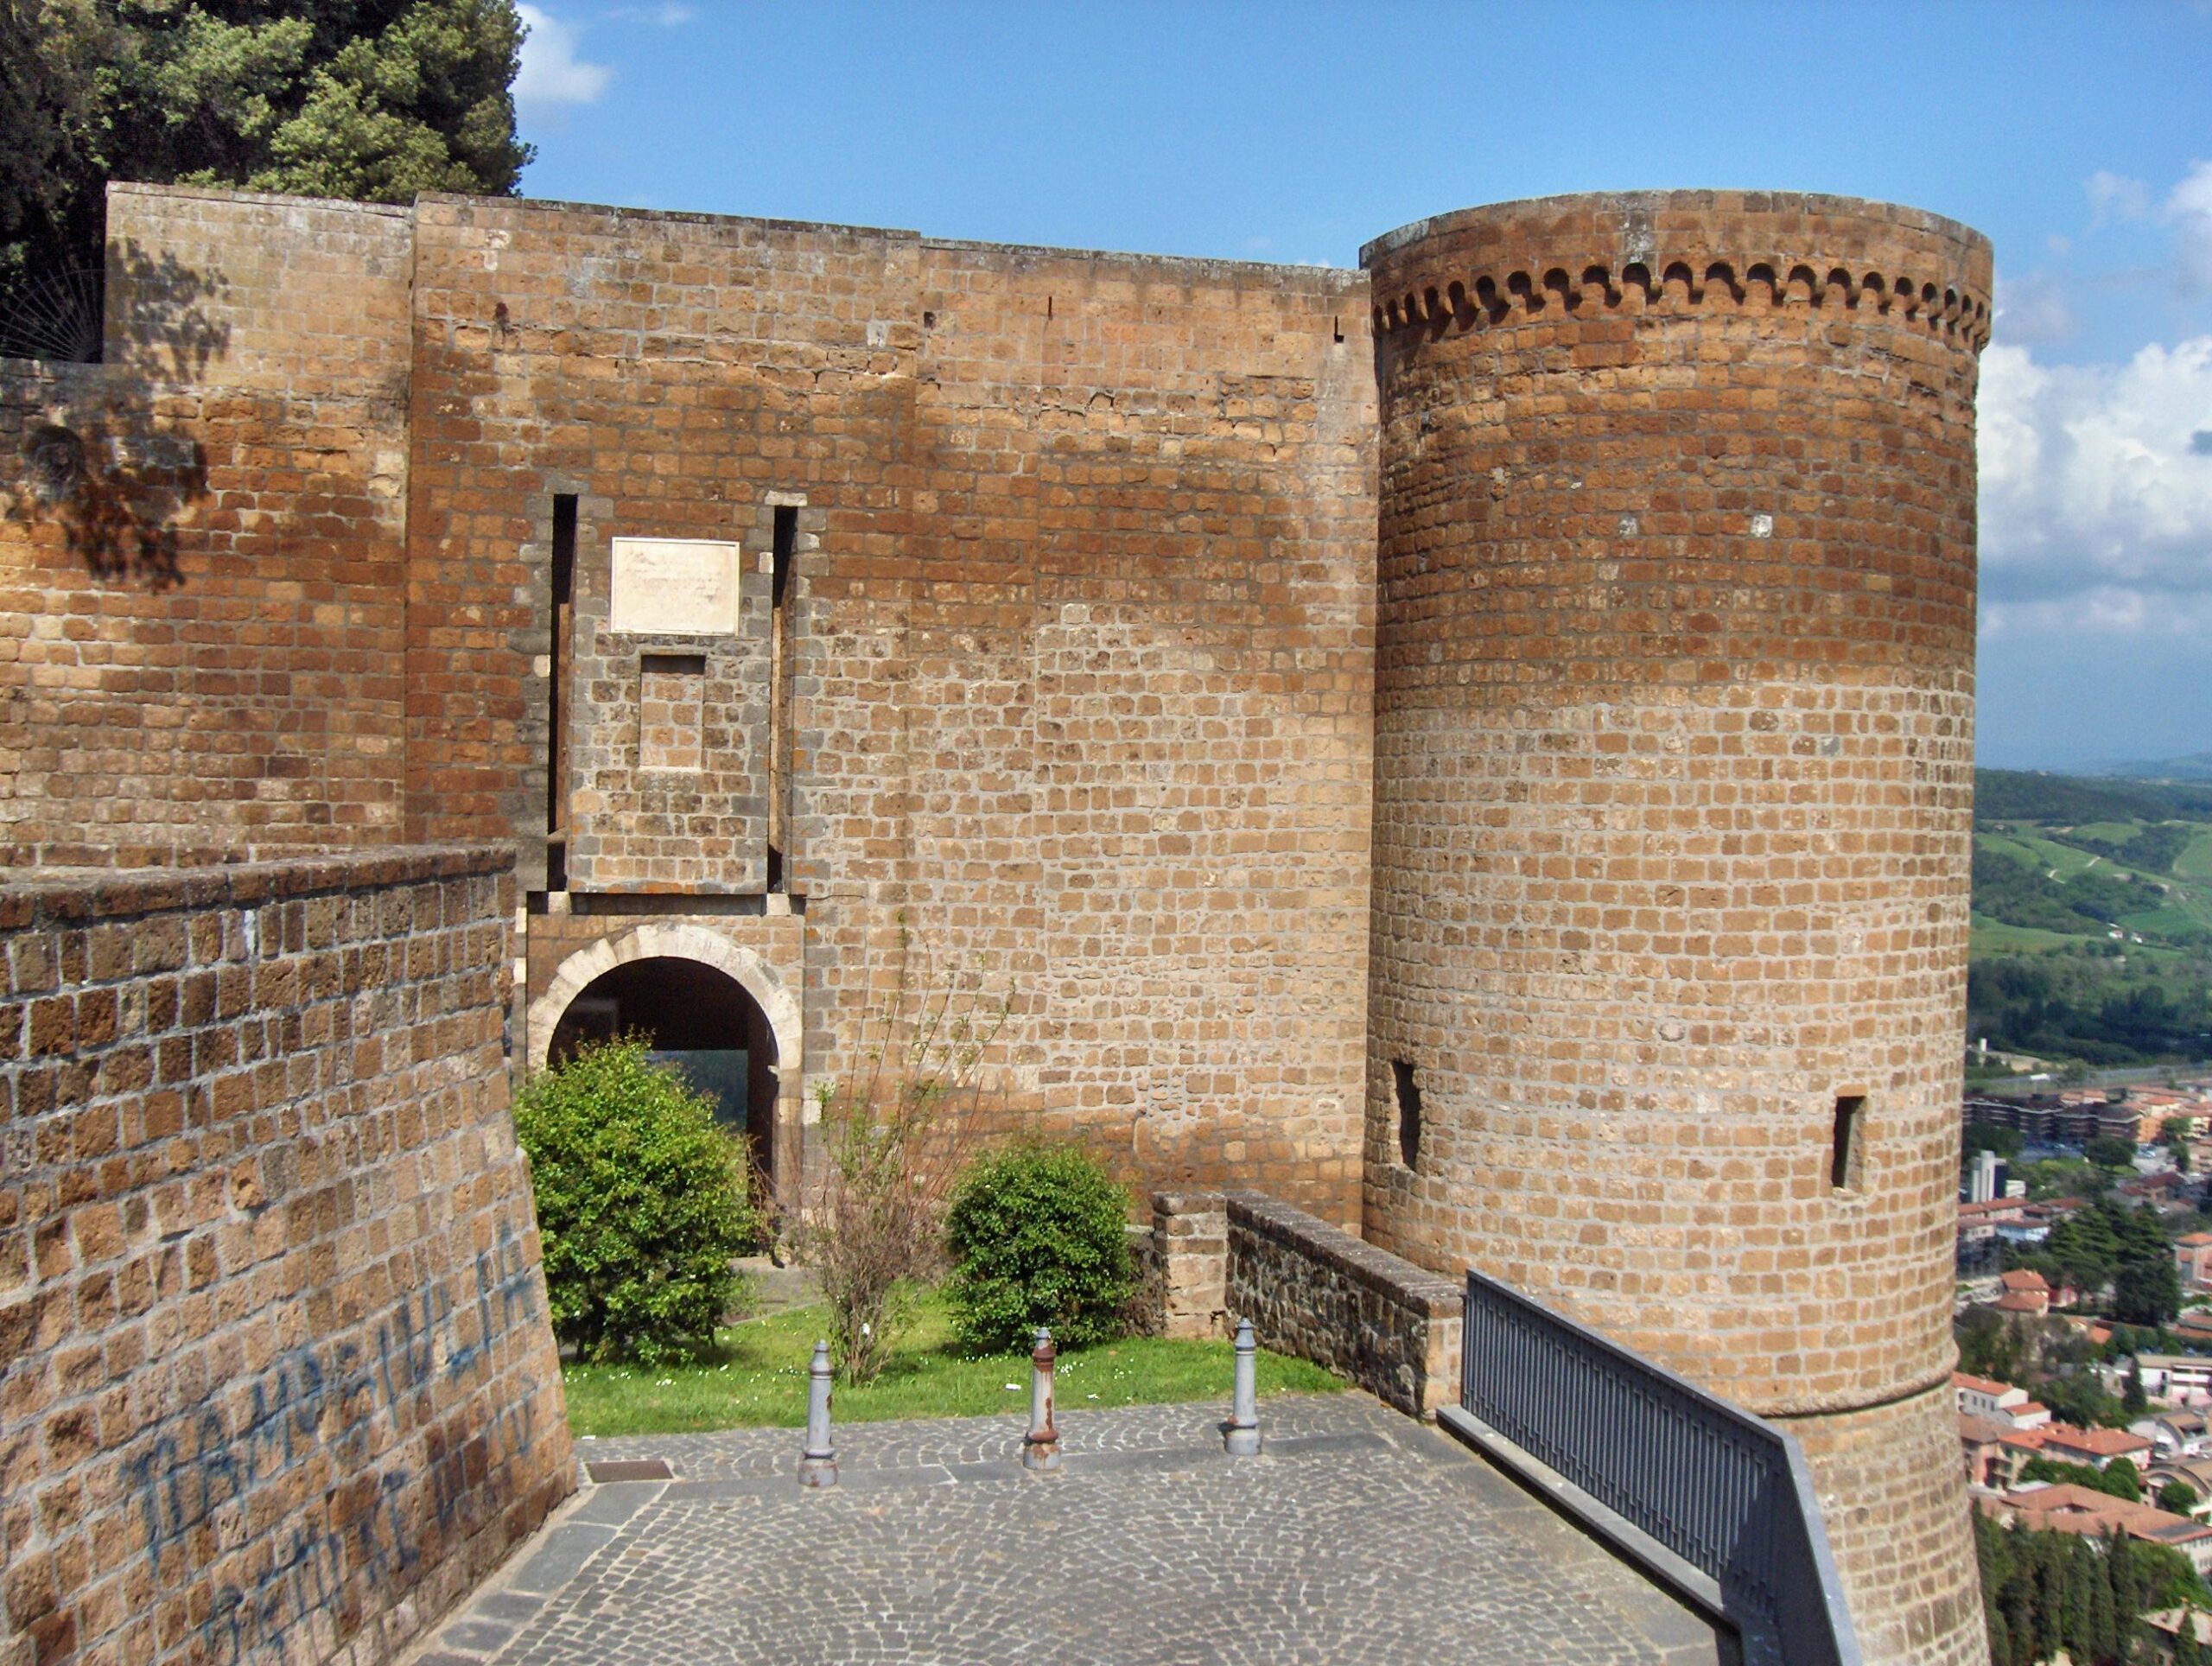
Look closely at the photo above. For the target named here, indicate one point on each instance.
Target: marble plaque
(674, 587)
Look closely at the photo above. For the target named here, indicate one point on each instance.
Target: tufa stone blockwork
(1673, 774)
(200, 638)
(277, 1377)
(1477, 749)
(1309, 1290)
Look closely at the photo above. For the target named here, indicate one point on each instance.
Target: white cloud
(551, 74)
(2188, 210)
(2031, 309)
(2096, 496)
(665, 17)
(2115, 196)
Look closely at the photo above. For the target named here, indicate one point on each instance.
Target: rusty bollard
(819, 1466)
(1241, 1437)
(1041, 1447)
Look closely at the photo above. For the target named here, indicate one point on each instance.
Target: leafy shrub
(2120, 1478)
(1036, 1235)
(641, 1204)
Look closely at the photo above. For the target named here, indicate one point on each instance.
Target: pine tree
(2078, 1627)
(371, 99)
(2104, 1632)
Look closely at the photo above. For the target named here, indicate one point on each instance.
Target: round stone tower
(1674, 775)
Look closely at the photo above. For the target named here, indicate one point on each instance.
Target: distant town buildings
(2065, 1507)
(2193, 1259)
(2074, 1117)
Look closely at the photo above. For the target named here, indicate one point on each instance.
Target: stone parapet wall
(1311, 1290)
(276, 1380)
(1189, 1257)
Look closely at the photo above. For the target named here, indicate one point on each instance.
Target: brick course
(1673, 774)
(277, 1377)
(201, 643)
(1619, 790)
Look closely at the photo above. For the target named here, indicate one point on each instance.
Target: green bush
(1036, 1235)
(641, 1204)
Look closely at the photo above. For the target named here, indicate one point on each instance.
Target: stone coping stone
(65, 895)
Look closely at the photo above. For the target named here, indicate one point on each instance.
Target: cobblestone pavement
(1358, 1535)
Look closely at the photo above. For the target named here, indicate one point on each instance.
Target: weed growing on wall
(641, 1203)
(894, 1140)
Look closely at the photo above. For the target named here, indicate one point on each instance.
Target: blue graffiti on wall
(328, 1399)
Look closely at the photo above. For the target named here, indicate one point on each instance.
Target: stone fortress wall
(276, 1374)
(1567, 879)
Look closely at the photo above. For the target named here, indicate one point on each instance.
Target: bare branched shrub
(894, 1140)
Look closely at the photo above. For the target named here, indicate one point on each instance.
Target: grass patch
(2061, 862)
(2108, 832)
(1993, 936)
(756, 1377)
(2195, 861)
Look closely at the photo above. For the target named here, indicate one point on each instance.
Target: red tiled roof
(2084, 1510)
(1983, 1384)
(2104, 1443)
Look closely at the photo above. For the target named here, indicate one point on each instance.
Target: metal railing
(1724, 1490)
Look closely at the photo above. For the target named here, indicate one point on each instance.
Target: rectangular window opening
(1402, 1075)
(1845, 1158)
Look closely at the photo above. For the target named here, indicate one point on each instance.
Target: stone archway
(604, 961)
(585, 967)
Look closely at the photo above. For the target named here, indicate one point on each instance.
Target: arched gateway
(712, 1007)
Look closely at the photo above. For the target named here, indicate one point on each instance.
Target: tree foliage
(1988, 1345)
(641, 1203)
(370, 99)
(2108, 1153)
(1991, 1136)
(2108, 1245)
(2045, 1592)
(2075, 1397)
(2014, 795)
(2118, 1480)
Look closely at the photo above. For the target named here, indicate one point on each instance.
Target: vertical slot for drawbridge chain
(561, 616)
(785, 547)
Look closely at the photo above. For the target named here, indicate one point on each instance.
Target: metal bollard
(1241, 1437)
(1041, 1447)
(818, 1467)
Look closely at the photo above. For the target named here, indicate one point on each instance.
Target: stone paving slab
(1357, 1535)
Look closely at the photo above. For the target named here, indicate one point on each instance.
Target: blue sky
(2079, 136)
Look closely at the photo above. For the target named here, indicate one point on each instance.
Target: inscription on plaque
(674, 587)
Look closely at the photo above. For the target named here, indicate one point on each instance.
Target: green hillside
(2092, 939)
